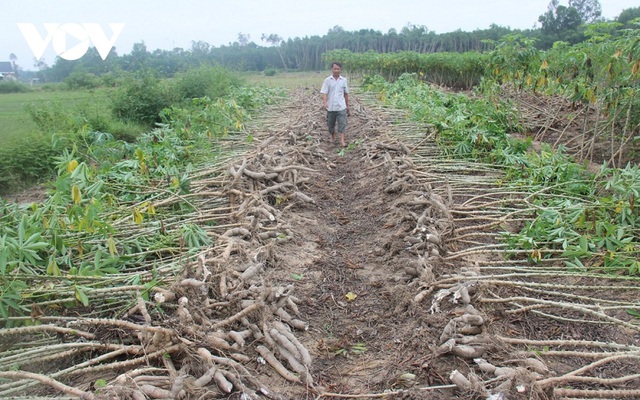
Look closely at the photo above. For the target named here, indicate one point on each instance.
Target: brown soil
(390, 250)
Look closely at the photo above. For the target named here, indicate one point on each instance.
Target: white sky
(163, 24)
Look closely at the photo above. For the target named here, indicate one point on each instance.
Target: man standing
(335, 96)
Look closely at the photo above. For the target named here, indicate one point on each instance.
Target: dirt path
(355, 248)
(365, 237)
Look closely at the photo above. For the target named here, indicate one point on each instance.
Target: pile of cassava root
(226, 314)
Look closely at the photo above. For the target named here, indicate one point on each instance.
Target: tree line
(558, 23)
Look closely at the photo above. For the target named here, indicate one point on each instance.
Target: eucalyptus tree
(275, 41)
(589, 10)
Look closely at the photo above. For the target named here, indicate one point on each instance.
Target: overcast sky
(163, 24)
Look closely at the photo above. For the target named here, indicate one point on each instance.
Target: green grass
(15, 121)
(27, 151)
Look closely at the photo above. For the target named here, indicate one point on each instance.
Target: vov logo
(82, 34)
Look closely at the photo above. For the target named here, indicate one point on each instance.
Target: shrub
(52, 86)
(126, 131)
(13, 87)
(212, 82)
(111, 79)
(140, 98)
(121, 130)
(82, 80)
(270, 71)
(53, 117)
(26, 160)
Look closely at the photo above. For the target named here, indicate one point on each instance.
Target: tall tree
(559, 18)
(589, 10)
(138, 58)
(275, 40)
(629, 14)
(200, 51)
(560, 23)
(244, 39)
(13, 59)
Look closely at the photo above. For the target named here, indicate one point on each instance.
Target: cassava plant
(115, 208)
(590, 218)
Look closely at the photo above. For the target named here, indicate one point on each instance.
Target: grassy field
(15, 121)
(295, 79)
(287, 80)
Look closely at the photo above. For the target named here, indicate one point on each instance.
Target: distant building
(6, 71)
